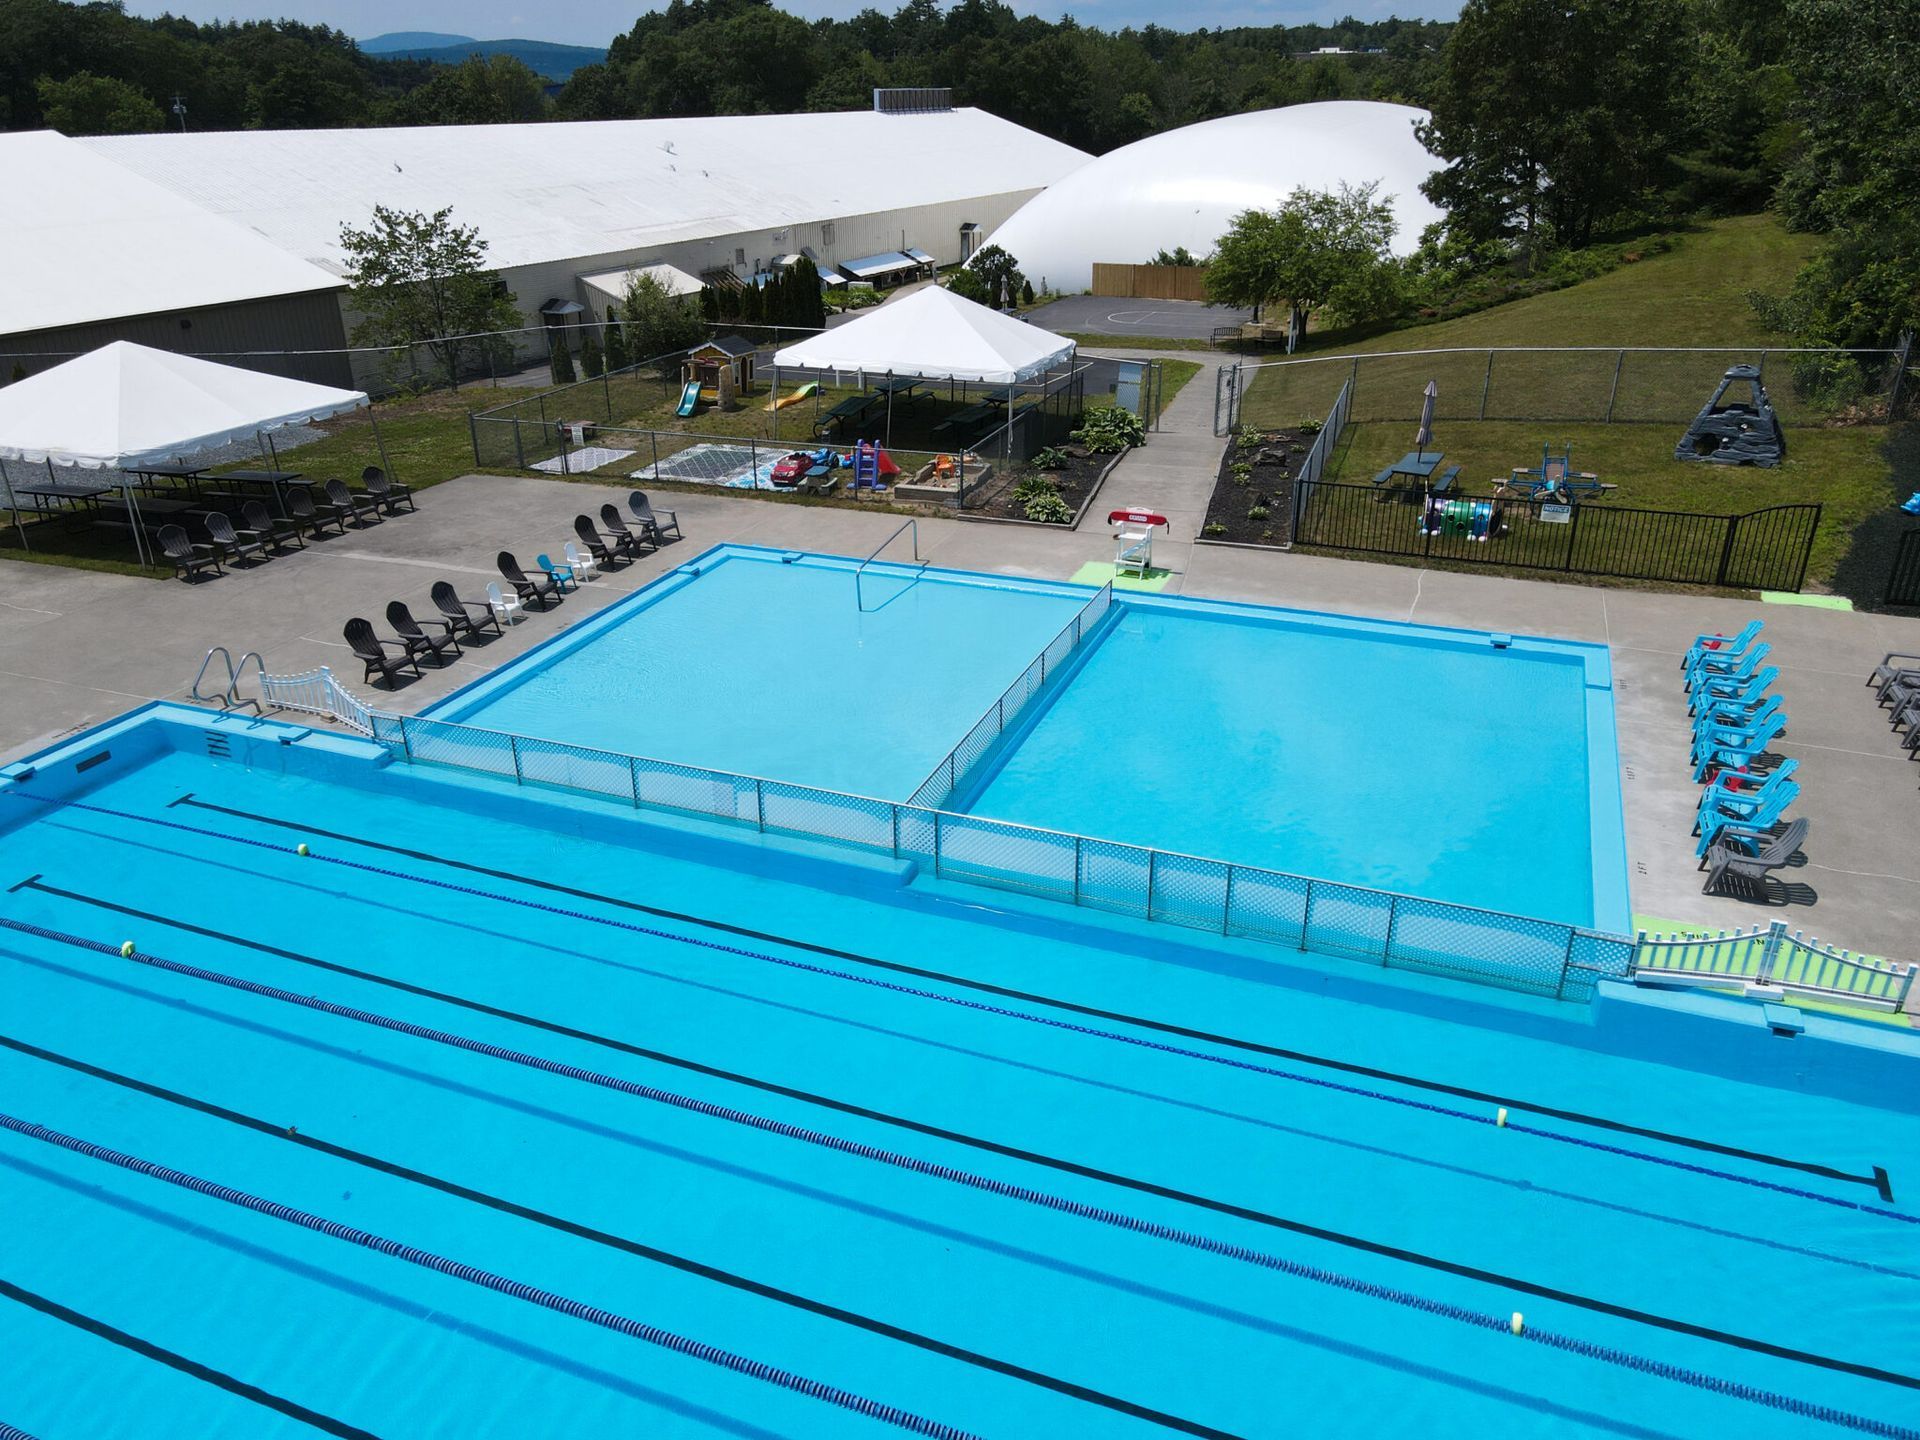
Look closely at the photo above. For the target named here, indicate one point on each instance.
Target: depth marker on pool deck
(1116, 1219)
(597, 1236)
(1878, 1180)
(173, 1360)
(35, 882)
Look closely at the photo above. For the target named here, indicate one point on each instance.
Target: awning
(935, 334)
(613, 283)
(780, 262)
(920, 255)
(869, 266)
(126, 405)
(557, 309)
(830, 274)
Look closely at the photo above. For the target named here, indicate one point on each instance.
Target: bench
(1443, 482)
(1385, 477)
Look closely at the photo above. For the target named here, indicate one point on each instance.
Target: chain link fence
(1574, 384)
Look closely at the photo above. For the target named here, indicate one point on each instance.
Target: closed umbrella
(1423, 437)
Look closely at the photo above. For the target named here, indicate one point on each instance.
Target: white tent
(935, 334)
(125, 405)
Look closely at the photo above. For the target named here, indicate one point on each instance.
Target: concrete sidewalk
(77, 647)
(1172, 473)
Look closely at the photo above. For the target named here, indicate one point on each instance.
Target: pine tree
(562, 361)
(592, 364)
(617, 347)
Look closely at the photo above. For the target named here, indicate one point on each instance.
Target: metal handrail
(914, 525)
(233, 689)
(226, 656)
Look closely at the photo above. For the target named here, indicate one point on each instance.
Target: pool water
(1415, 763)
(794, 671)
(456, 1023)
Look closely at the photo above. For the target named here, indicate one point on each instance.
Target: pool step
(217, 746)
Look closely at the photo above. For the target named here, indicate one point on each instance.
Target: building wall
(284, 323)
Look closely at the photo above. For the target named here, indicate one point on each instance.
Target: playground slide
(689, 397)
(802, 393)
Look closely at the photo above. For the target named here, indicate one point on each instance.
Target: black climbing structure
(1735, 432)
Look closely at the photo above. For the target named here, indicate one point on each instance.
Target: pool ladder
(859, 598)
(229, 698)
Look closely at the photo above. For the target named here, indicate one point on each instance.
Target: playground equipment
(1554, 479)
(870, 465)
(781, 402)
(1467, 519)
(1735, 432)
(689, 397)
(1133, 539)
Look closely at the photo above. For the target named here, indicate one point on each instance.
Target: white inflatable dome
(1185, 186)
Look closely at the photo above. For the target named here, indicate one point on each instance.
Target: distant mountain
(556, 62)
(412, 40)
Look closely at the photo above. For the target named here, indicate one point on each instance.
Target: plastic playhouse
(1735, 432)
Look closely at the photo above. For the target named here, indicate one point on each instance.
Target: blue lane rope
(8, 1432)
(1119, 1220)
(1274, 1072)
(486, 1279)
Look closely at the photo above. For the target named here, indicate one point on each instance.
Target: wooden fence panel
(1150, 282)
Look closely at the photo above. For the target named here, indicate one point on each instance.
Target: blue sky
(595, 22)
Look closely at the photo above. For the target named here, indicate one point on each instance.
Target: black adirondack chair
(220, 530)
(389, 495)
(461, 614)
(418, 641)
(300, 506)
(624, 540)
(187, 557)
(255, 521)
(529, 587)
(377, 654)
(659, 523)
(592, 539)
(346, 502)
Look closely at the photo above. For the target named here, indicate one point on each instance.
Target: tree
(421, 278)
(657, 322)
(1321, 250)
(998, 272)
(88, 104)
(1179, 255)
(1554, 115)
(592, 363)
(480, 90)
(616, 345)
(561, 363)
(967, 284)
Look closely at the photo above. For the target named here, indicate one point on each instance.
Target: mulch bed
(1266, 484)
(1076, 480)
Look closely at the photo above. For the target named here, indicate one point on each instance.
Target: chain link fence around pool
(1573, 384)
(1375, 927)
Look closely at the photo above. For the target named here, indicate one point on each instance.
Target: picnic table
(986, 412)
(1420, 465)
(854, 408)
(276, 480)
(50, 493)
(190, 474)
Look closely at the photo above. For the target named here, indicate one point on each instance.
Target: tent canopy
(936, 334)
(126, 405)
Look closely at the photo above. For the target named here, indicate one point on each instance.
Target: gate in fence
(1761, 550)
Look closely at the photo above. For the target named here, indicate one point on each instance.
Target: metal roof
(556, 191)
(881, 264)
(84, 242)
(613, 283)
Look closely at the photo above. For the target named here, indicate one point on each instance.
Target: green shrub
(1107, 429)
(1258, 512)
(1049, 510)
(1214, 527)
(1309, 426)
(1246, 438)
(1051, 457)
(562, 362)
(1035, 486)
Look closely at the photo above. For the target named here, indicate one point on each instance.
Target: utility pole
(180, 110)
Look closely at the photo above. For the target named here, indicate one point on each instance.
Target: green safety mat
(1099, 572)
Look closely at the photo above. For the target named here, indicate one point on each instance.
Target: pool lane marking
(173, 1360)
(582, 1231)
(500, 1284)
(1877, 1180)
(1042, 1199)
(37, 883)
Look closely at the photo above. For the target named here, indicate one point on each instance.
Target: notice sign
(1557, 514)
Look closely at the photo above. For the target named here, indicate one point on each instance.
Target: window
(826, 233)
(740, 256)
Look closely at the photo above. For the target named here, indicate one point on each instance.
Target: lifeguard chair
(1133, 539)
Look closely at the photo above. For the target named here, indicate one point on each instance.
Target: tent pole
(774, 399)
(272, 454)
(13, 504)
(381, 445)
(133, 520)
(889, 439)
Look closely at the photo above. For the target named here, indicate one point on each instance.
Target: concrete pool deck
(77, 647)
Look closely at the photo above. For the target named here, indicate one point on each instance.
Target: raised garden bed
(1075, 479)
(1252, 501)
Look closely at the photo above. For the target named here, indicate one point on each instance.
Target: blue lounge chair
(1765, 815)
(1722, 646)
(1734, 714)
(1734, 750)
(1710, 670)
(560, 575)
(1730, 688)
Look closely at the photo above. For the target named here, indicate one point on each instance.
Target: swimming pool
(1425, 761)
(744, 660)
(428, 1106)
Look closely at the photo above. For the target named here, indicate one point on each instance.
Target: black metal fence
(1761, 550)
(1903, 584)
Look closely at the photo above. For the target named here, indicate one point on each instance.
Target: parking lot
(1112, 315)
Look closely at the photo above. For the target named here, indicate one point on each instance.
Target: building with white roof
(566, 208)
(92, 254)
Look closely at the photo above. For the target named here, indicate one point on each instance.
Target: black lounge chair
(624, 540)
(1739, 861)
(220, 530)
(659, 523)
(418, 641)
(345, 502)
(529, 587)
(1889, 669)
(460, 613)
(187, 557)
(387, 494)
(591, 538)
(373, 652)
(257, 522)
(301, 507)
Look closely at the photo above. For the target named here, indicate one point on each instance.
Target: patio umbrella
(1423, 437)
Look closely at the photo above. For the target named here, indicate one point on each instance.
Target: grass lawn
(1174, 375)
(1845, 470)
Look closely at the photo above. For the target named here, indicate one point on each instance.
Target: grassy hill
(1693, 295)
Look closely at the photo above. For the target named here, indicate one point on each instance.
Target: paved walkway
(77, 647)
(1173, 472)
